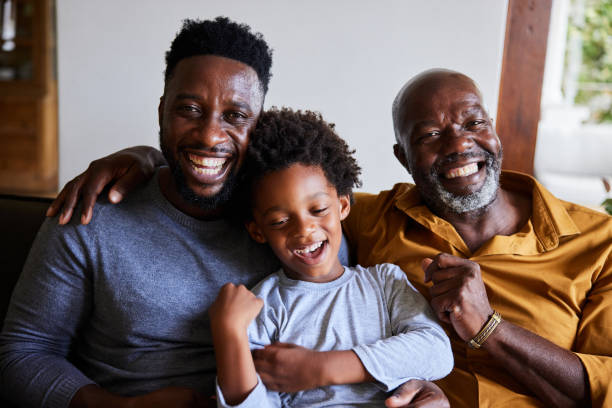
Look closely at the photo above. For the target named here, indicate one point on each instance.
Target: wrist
(486, 332)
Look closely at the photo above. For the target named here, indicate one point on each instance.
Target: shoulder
(267, 287)
(384, 274)
(585, 217)
(368, 208)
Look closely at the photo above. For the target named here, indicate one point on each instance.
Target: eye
(279, 222)
(190, 110)
(320, 210)
(428, 136)
(475, 124)
(235, 116)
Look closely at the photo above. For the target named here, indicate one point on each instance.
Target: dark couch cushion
(20, 219)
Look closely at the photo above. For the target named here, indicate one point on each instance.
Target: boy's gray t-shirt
(373, 311)
(123, 301)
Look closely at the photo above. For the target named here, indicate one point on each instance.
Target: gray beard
(441, 200)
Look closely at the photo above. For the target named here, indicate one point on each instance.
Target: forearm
(341, 367)
(553, 374)
(236, 373)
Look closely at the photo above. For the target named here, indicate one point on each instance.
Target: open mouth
(312, 253)
(463, 171)
(209, 166)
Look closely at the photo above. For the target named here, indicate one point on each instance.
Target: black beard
(211, 203)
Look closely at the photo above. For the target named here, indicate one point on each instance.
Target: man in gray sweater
(118, 308)
(115, 313)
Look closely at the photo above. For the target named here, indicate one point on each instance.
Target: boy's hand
(234, 308)
(287, 367)
(418, 394)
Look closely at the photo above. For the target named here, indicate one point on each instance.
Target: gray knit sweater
(122, 302)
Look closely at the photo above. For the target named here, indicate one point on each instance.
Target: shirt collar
(548, 223)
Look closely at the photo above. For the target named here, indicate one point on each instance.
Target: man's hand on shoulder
(127, 168)
(418, 394)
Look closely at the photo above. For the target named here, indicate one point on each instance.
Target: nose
(303, 226)
(209, 131)
(455, 140)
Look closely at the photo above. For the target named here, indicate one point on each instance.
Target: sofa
(20, 219)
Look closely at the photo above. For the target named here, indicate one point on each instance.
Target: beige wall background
(346, 59)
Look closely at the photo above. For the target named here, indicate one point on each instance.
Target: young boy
(371, 328)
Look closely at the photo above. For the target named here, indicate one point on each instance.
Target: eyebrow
(234, 103)
(277, 208)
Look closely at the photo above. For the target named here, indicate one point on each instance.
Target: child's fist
(234, 308)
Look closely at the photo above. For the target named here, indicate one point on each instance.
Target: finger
(445, 280)
(128, 182)
(444, 260)
(73, 190)
(403, 395)
(90, 191)
(56, 204)
(444, 306)
(424, 266)
(281, 345)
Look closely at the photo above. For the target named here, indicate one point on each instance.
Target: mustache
(214, 149)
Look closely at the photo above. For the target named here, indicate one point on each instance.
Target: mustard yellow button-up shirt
(553, 277)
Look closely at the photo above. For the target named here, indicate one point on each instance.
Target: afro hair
(284, 137)
(224, 38)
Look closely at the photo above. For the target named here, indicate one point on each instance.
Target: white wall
(346, 59)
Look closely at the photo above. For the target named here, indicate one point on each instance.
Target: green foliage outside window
(595, 76)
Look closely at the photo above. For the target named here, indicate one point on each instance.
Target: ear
(400, 154)
(345, 206)
(255, 232)
(160, 111)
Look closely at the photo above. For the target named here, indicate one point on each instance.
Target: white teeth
(207, 161)
(208, 166)
(462, 171)
(309, 248)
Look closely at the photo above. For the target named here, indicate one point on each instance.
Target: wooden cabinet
(28, 100)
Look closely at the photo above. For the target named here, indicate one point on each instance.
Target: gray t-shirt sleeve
(419, 347)
(259, 397)
(48, 305)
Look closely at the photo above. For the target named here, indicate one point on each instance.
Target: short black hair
(284, 137)
(224, 38)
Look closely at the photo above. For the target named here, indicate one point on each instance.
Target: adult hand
(458, 294)
(234, 308)
(418, 393)
(287, 367)
(128, 168)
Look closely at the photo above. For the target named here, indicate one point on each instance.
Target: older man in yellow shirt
(522, 280)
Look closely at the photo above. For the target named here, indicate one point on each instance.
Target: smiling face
(298, 213)
(449, 145)
(209, 107)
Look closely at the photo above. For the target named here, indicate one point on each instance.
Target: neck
(506, 215)
(169, 189)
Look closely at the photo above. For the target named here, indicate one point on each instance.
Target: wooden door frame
(522, 74)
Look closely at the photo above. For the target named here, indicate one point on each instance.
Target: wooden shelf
(28, 107)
